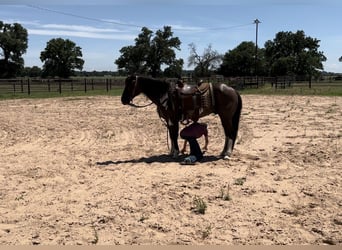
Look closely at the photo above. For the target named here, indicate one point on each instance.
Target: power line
(83, 17)
(133, 25)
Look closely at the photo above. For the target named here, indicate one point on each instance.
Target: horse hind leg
(230, 137)
(231, 127)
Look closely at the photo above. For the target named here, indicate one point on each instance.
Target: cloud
(78, 28)
(84, 34)
(178, 27)
(84, 31)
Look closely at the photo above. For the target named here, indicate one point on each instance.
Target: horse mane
(153, 88)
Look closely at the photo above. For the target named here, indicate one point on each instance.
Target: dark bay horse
(227, 104)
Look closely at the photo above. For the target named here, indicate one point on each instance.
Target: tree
(13, 42)
(61, 57)
(175, 69)
(133, 59)
(293, 54)
(150, 53)
(34, 71)
(241, 61)
(205, 63)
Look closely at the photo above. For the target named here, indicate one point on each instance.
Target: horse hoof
(175, 155)
(226, 157)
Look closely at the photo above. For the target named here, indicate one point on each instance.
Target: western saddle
(194, 99)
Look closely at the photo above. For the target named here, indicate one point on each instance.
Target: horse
(227, 103)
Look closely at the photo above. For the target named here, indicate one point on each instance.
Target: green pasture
(316, 89)
(17, 95)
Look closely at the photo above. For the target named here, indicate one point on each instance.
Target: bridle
(133, 94)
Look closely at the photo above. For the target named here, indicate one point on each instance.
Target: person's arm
(206, 139)
(206, 142)
(184, 147)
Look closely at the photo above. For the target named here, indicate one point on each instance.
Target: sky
(102, 27)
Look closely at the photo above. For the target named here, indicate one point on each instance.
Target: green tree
(150, 53)
(293, 54)
(133, 59)
(61, 57)
(13, 43)
(34, 71)
(241, 61)
(206, 63)
(175, 69)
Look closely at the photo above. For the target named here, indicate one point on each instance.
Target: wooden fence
(86, 84)
(235, 82)
(39, 85)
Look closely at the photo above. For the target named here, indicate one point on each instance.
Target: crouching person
(190, 134)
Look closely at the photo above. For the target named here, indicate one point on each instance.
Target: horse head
(131, 90)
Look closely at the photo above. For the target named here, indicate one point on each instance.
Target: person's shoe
(190, 160)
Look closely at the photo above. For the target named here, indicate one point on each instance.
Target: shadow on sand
(157, 158)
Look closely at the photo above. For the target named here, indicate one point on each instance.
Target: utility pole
(256, 21)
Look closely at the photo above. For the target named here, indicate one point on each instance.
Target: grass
(225, 193)
(321, 90)
(199, 205)
(206, 232)
(112, 92)
(240, 181)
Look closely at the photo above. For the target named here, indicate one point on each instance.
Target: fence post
(107, 84)
(14, 87)
(28, 87)
(60, 86)
(85, 85)
(310, 82)
(22, 85)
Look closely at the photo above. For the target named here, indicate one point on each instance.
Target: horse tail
(236, 117)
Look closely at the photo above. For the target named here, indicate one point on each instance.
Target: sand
(88, 170)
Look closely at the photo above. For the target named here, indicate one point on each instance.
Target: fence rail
(35, 85)
(87, 84)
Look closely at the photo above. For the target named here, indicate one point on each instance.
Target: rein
(139, 106)
(167, 131)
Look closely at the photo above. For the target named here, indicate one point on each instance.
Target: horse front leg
(227, 149)
(173, 128)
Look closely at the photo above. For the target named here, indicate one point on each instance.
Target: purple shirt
(195, 130)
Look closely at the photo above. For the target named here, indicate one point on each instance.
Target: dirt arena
(88, 170)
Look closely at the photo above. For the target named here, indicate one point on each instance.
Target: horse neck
(153, 89)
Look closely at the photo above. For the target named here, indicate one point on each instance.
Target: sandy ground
(88, 170)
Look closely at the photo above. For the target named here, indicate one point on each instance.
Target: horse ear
(131, 77)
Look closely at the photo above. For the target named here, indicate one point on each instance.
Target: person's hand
(183, 151)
